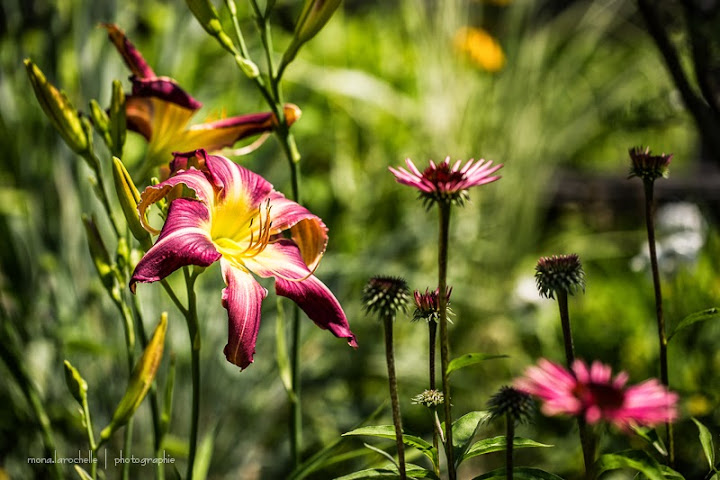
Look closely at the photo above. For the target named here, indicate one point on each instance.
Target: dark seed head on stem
(427, 306)
(559, 273)
(512, 403)
(648, 166)
(385, 296)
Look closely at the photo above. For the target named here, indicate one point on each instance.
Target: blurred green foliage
(382, 82)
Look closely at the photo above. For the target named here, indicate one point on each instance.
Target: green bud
(100, 119)
(129, 199)
(206, 14)
(98, 252)
(315, 14)
(140, 381)
(249, 68)
(118, 122)
(76, 384)
(64, 117)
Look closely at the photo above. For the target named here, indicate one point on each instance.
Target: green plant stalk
(91, 437)
(662, 338)
(194, 332)
(17, 370)
(444, 210)
(432, 340)
(394, 401)
(274, 98)
(586, 441)
(101, 191)
(509, 441)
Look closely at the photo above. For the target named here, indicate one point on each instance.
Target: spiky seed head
(427, 305)
(385, 296)
(513, 403)
(559, 273)
(648, 166)
(429, 398)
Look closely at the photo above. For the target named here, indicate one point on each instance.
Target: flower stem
(295, 406)
(509, 440)
(194, 332)
(432, 340)
(562, 299)
(392, 379)
(662, 338)
(444, 210)
(586, 440)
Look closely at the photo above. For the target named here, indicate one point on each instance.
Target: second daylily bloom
(160, 111)
(237, 218)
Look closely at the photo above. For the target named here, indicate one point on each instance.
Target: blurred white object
(680, 233)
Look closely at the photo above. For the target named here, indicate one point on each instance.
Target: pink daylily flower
(237, 218)
(595, 394)
(160, 111)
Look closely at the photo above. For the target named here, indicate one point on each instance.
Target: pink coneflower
(648, 166)
(445, 183)
(596, 395)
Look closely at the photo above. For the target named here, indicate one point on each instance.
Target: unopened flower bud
(513, 403)
(76, 384)
(559, 273)
(648, 166)
(129, 198)
(385, 296)
(206, 14)
(100, 119)
(99, 254)
(140, 381)
(64, 117)
(315, 14)
(247, 66)
(118, 122)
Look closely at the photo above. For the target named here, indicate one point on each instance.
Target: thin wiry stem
(194, 332)
(662, 338)
(586, 440)
(392, 380)
(444, 209)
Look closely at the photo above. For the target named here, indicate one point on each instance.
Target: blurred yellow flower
(481, 47)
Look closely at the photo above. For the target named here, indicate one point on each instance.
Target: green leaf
(671, 474)
(388, 431)
(470, 359)
(519, 473)
(390, 472)
(497, 444)
(381, 452)
(463, 430)
(701, 316)
(319, 459)
(635, 459)
(84, 475)
(651, 436)
(204, 456)
(706, 442)
(282, 358)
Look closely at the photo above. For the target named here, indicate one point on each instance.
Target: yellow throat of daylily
(239, 238)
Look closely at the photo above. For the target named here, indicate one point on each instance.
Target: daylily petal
(293, 280)
(184, 241)
(214, 136)
(192, 178)
(238, 186)
(281, 259)
(164, 88)
(307, 230)
(319, 304)
(133, 58)
(242, 298)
